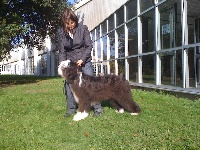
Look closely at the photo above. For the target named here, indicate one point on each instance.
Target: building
(27, 60)
(152, 43)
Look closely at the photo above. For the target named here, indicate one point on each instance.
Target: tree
(28, 21)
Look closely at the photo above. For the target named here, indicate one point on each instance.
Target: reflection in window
(121, 42)
(98, 32)
(131, 9)
(132, 38)
(111, 22)
(191, 67)
(170, 25)
(93, 49)
(171, 68)
(121, 67)
(193, 13)
(148, 69)
(148, 32)
(105, 68)
(93, 35)
(133, 69)
(104, 39)
(120, 16)
(104, 28)
(167, 69)
(145, 4)
(98, 50)
(94, 68)
(112, 67)
(111, 37)
(179, 75)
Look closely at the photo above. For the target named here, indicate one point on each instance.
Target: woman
(77, 48)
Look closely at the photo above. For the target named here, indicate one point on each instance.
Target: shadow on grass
(9, 80)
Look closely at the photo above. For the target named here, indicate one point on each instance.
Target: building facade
(152, 43)
(27, 60)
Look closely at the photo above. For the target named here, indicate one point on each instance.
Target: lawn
(32, 110)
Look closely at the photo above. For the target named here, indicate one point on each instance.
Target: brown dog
(88, 90)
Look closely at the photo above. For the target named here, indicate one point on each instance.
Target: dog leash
(64, 87)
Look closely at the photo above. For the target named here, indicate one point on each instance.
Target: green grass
(32, 109)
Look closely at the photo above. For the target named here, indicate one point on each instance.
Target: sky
(71, 1)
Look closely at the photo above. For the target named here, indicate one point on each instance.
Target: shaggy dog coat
(88, 90)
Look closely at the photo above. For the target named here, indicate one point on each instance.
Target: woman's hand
(79, 62)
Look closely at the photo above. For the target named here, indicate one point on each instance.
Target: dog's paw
(80, 116)
(134, 114)
(121, 110)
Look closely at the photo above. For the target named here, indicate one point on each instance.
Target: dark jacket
(79, 47)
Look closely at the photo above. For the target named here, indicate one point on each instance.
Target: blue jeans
(87, 69)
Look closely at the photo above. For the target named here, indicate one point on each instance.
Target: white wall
(93, 12)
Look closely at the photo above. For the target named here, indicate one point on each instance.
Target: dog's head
(68, 70)
(62, 66)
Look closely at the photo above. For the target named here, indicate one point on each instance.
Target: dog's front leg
(83, 110)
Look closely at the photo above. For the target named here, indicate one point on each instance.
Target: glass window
(111, 37)
(167, 69)
(105, 68)
(121, 67)
(197, 28)
(133, 69)
(104, 39)
(93, 51)
(148, 32)
(97, 32)
(148, 69)
(98, 50)
(93, 35)
(104, 28)
(43, 64)
(171, 68)
(99, 68)
(179, 74)
(120, 16)
(121, 42)
(111, 22)
(112, 67)
(170, 25)
(193, 14)
(191, 58)
(131, 9)
(145, 4)
(31, 65)
(132, 38)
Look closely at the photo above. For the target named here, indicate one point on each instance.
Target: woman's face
(70, 24)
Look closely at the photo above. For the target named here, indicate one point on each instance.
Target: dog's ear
(70, 78)
(71, 73)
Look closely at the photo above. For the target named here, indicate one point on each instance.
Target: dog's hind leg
(83, 110)
(129, 105)
(116, 106)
